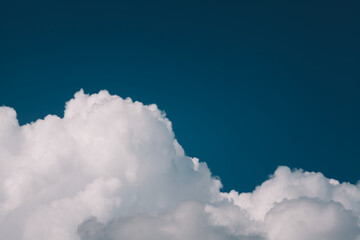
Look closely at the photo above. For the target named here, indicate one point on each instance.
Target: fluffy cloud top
(112, 169)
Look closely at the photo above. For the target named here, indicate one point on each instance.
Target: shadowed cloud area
(112, 169)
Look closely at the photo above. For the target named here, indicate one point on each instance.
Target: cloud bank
(112, 169)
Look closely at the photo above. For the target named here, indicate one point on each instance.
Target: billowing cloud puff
(112, 169)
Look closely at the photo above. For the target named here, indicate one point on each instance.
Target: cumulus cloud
(111, 168)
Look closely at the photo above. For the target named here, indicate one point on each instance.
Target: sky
(179, 120)
(247, 86)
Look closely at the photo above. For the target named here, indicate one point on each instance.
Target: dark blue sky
(247, 86)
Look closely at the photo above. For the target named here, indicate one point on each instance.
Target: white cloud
(112, 169)
(308, 218)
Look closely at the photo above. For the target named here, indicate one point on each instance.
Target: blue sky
(248, 87)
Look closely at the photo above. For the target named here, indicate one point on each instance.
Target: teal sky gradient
(248, 87)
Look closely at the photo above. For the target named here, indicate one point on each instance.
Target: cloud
(111, 168)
